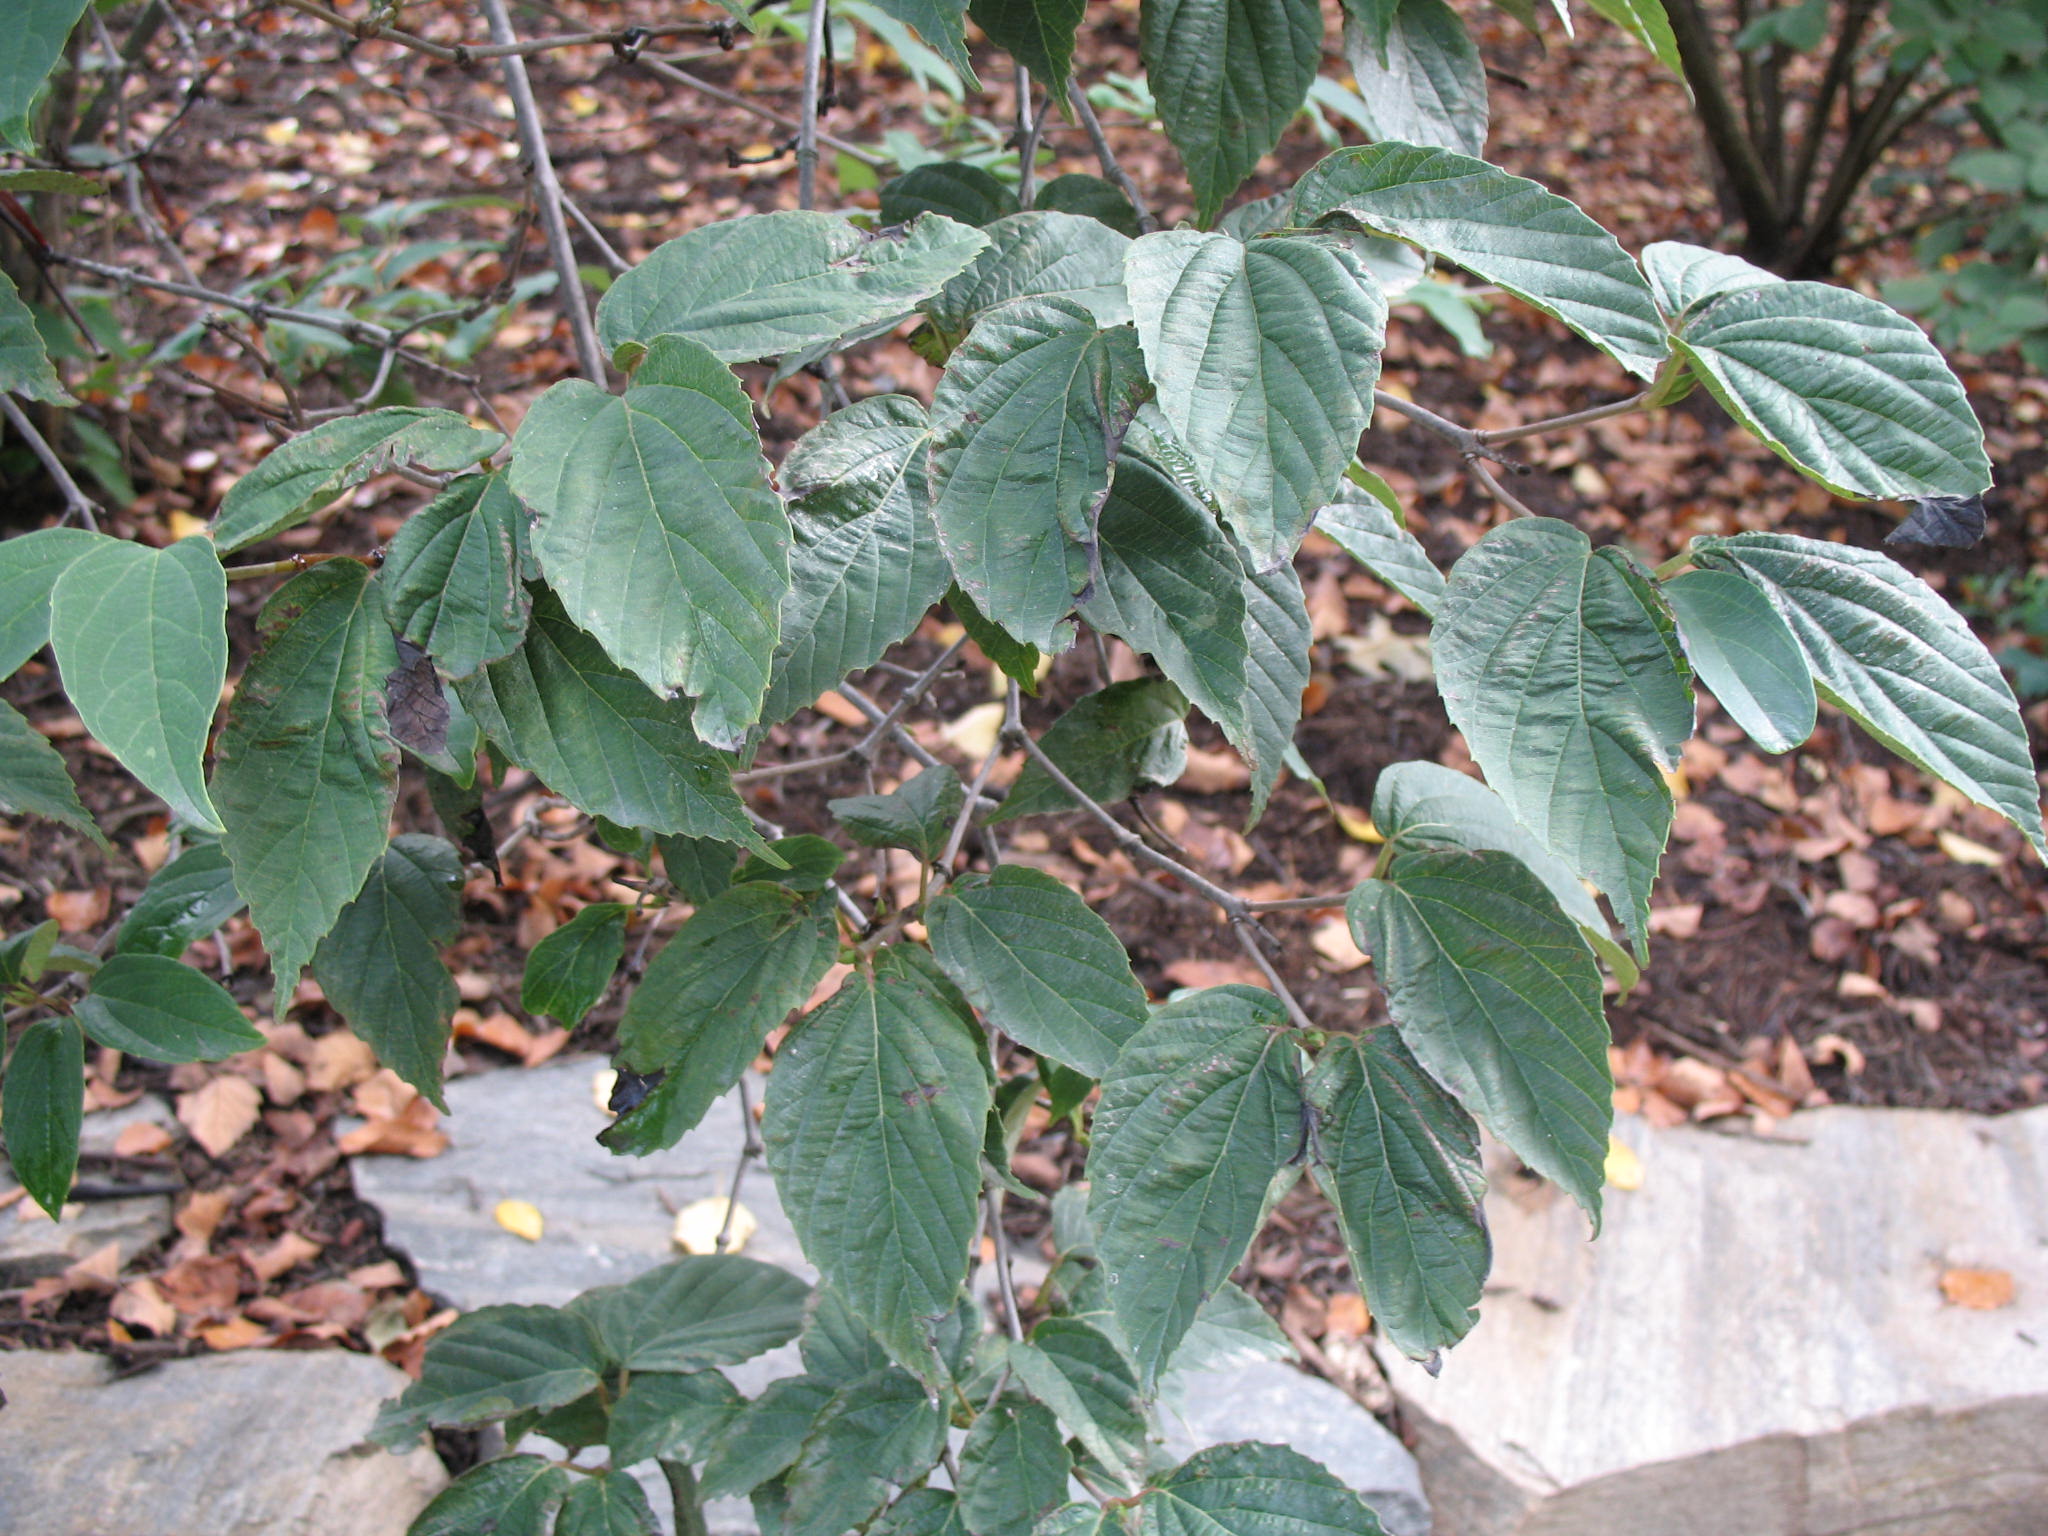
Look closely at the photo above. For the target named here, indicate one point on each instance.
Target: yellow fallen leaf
(184, 525)
(974, 734)
(1332, 940)
(1967, 851)
(1624, 1169)
(699, 1223)
(1980, 1290)
(1357, 825)
(581, 103)
(281, 132)
(601, 1087)
(521, 1218)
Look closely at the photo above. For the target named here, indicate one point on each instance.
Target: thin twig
(1300, 903)
(1005, 1285)
(719, 93)
(1499, 492)
(291, 565)
(807, 121)
(595, 236)
(884, 725)
(1464, 439)
(1107, 156)
(966, 817)
(750, 1148)
(1550, 424)
(1242, 929)
(548, 192)
(1027, 140)
(76, 503)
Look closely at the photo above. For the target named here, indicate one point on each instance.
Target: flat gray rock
(1759, 1341)
(247, 1444)
(32, 1246)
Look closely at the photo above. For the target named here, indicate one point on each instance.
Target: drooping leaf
(1685, 277)
(1014, 658)
(303, 475)
(1645, 21)
(765, 1437)
(34, 43)
(698, 867)
(1045, 969)
(1254, 1490)
(1420, 77)
(1013, 1468)
(492, 1363)
(140, 636)
(1399, 1160)
(42, 1101)
(866, 562)
(1109, 743)
(874, 1129)
(1842, 388)
(24, 361)
(512, 1496)
(452, 576)
(695, 1313)
(1042, 254)
(919, 816)
(1075, 1370)
(1277, 633)
(1091, 197)
(1564, 674)
(879, 1430)
(1496, 993)
(660, 1415)
(780, 282)
(1228, 75)
(942, 25)
(1744, 652)
(607, 1504)
(1366, 531)
(1266, 356)
(805, 862)
(569, 970)
(34, 780)
(1039, 34)
(964, 193)
(734, 971)
(29, 567)
(1503, 228)
(1888, 652)
(564, 711)
(655, 522)
(306, 769)
(1942, 522)
(185, 901)
(380, 965)
(1026, 422)
(1198, 1114)
(149, 1005)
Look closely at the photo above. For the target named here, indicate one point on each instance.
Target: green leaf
(680, 363)
(380, 965)
(1266, 355)
(1046, 970)
(866, 563)
(607, 1504)
(1505, 229)
(655, 522)
(698, 867)
(874, 1129)
(1080, 1520)
(1842, 388)
(1497, 995)
(781, 282)
(303, 475)
(805, 862)
(1684, 277)
(943, 26)
(493, 1363)
(24, 361)
(921, 1512)
(306, 770)
(1363, 527)
(42, 1102)
(1016, 660)
(1039, 34)
(185, 901)
(1420, 77)
(1277, 633)
(34, 42)
(966, 194)
(50, 181)
(141, 638)
(34, 780)
(593, 733)
(918, 816)
(1645, 21)
(568, 971)
(1026, 422)
(1198, 1114)
(512, 1496)
(1399, 1160)
(694, 1313)
(26, 955)
(1228, 75)
(148, 1005)
(451, 577)
(1109, 743)
(879, 1430)
(1013, 1468)
(1561, 669)
(1173, 586)
(1746, 654)
(671, 1416)
(1075, 1370)
(734, 971)
(1889, 653)
(1091, 197)
(835, 1344)
(764, 1439)
(1039, 255)
(29, 567)
(1254, 1490)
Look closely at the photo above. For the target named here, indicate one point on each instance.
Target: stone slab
(1758, 1341)
(247, 1444)
(32, 1246)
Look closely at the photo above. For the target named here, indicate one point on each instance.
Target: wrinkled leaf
(1042, 254)
(512, 1496)
(185, 901)
(694, 1313)
(1013, 1468)
(34, 780)
(492, 1363)
(918, 816)
(451, 577)
(1420, 78)
(1254, 1490)
(1109, 743)
(149, 1005)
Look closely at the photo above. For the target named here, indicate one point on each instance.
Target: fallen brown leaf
(221, 1113)
(205, 1287)
(1213, 773)
(141, 1305)
(142, 1138)
(282, 1256)
(1347, 1316)
(236, 1333)
(385, 1275)
(79, 911)
(338, 1060)
(197, 1220)
(1188, 972)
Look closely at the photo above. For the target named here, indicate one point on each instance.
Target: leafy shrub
(1131, 435)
